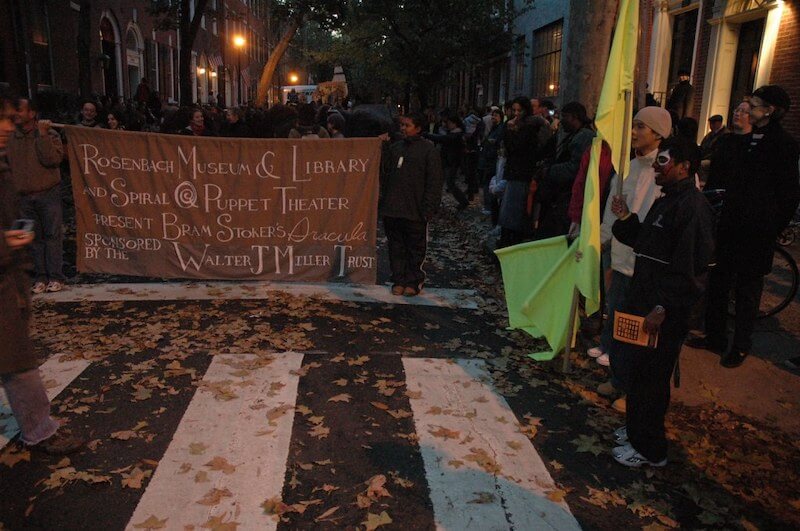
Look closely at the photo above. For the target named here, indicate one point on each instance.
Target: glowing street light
(239, 42)
(293, 78)
(201, 70)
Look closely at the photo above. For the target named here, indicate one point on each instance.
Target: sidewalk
(758, 389)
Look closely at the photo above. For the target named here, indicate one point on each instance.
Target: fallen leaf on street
(151, 523)
(445, 433)
(218, 523)
(344, 397)
(133, 479)
(221, 464)
(197, 448)
(483, 497)
(214, 496)
(326, 514)
(374, 521)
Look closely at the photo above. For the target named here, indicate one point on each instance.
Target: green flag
(540, 277)
(537, 277)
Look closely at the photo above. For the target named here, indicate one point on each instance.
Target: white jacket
(641, 191)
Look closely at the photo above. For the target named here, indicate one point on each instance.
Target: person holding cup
(19, 366)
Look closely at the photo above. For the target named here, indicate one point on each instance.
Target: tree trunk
(272, 64)
(591, 25)
(188, 28)
(85, 49)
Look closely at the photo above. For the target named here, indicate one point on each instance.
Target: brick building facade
(734, 47)
(107, 47)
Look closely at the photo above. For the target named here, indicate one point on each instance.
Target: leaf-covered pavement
(148, 360)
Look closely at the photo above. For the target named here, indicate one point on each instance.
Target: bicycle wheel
(780, 286)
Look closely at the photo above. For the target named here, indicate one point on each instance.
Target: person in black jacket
(234, 125)
(453, 150)
(521, 142)
(411, 190)
(762, 193)
(680, 99)
(673, 247)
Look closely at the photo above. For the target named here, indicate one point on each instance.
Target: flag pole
(624, 150)
(565, 363)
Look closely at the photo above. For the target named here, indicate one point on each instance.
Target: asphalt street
(295, 410)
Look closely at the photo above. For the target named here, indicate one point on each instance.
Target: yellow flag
(610, 120)
(612, 127)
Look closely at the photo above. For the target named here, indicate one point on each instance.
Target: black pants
(471, 175)
(748, 290)
(408, 244)
(649, 393)
(450, 175)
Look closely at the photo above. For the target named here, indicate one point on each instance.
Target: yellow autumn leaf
(374, 521)
(214, 496)
(344, 397)
(196, 448)
(445, 433)
(221, 464)
(152, 523)
(326, 514)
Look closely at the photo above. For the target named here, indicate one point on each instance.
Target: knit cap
(657, 119)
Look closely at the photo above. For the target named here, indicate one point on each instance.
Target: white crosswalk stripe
(229, 452)
(482, 471)
(252, 290)
(57, 374)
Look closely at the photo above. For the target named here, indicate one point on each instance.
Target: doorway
(746, 65)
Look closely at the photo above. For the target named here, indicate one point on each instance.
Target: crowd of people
(662, 244)
(524, 164)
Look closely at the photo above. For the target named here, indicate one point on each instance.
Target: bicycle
(782, 282)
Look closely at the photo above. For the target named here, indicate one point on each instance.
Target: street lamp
(293, 78)
(239, 42)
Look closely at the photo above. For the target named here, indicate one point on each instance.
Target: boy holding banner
(411, 190)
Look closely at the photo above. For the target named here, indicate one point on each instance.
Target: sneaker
(603, 360)
(39, 287)
(61, 442)
(621, 435)
(397, 289)
(54, 286)
(622, 449)
(628, 456)
(620, 404)
(596, 352)
(606, 389)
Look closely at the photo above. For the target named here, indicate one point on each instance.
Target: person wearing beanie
(651, 126)
(762, 194)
